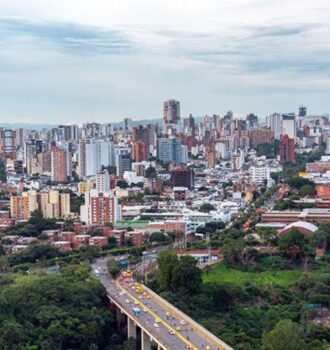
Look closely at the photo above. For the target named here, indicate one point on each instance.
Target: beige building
(22, 205)
(52, 204)
(85, 186)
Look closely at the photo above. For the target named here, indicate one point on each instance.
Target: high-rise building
(171, 117)
(182, 176)
(58, 164)
(123, 163)
(171, 112)
(53, 204)
(139, 151)
(7, 144)
(302, 111)
(22, 205)
(169, 150)
(92, 154)
(251, 120)
(274, 122)
(102, 181)
(289, 126)
(287, 149)
(100, 208)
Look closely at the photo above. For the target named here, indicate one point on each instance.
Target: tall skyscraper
(58, 164)
(287, 149)
(171, 112)
(289, 126)
(7, 144)
(139, 151)
(171, 116)
(274, 122)
(169, 149)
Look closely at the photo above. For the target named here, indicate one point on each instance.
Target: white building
(259, 174)
(289, 126)
(274, 122)
(102, 181)
(132, 177)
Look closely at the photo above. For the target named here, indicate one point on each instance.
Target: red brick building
(139, 151)
(286, 149)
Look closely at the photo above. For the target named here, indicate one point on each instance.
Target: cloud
(69, 37)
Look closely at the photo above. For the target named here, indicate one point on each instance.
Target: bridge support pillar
(120, 318)
(131, 328)
(145, 341)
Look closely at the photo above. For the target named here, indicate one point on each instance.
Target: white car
(127, 301)
(183, 322)
(156, 325)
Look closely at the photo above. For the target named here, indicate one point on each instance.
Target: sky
(72, 61)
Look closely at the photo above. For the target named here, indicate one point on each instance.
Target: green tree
(292, 244)
(122, 184)
(113, 268)
(33, 253)
(206, 208)
(286, 335)
(307, 190)
(186, 275)
(166, 262)
(158, 237)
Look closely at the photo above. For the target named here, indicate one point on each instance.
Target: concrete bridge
(159, 324)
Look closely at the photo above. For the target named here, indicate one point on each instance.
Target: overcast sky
(104, 60)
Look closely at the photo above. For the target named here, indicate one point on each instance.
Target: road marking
(161, 320)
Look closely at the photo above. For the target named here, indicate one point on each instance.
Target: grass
(283, 278)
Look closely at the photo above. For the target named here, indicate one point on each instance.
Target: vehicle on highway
(136, 311)
(171, 332)
(167, 315)
(157, 320)
(178, 328)
(97, 272)
(145, 309)
(138, 289)
(136, 302)
(127, 301)
(156, 325)
(183, 322)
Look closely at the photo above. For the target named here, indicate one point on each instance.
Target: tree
(179, 274)
(206, 208)
(292, 243)
(186, 275)
(307, 190)
(33, 253)
(268, 235)
(122, 184)
(285, 335)
(113, 268)
(236, 252)
(158, 237)
(166, 262)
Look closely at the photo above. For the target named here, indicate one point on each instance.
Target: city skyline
(106, 61)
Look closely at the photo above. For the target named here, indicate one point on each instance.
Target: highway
(158, 318)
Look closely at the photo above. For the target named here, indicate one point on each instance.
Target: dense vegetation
(64, 311)
(247, 309)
